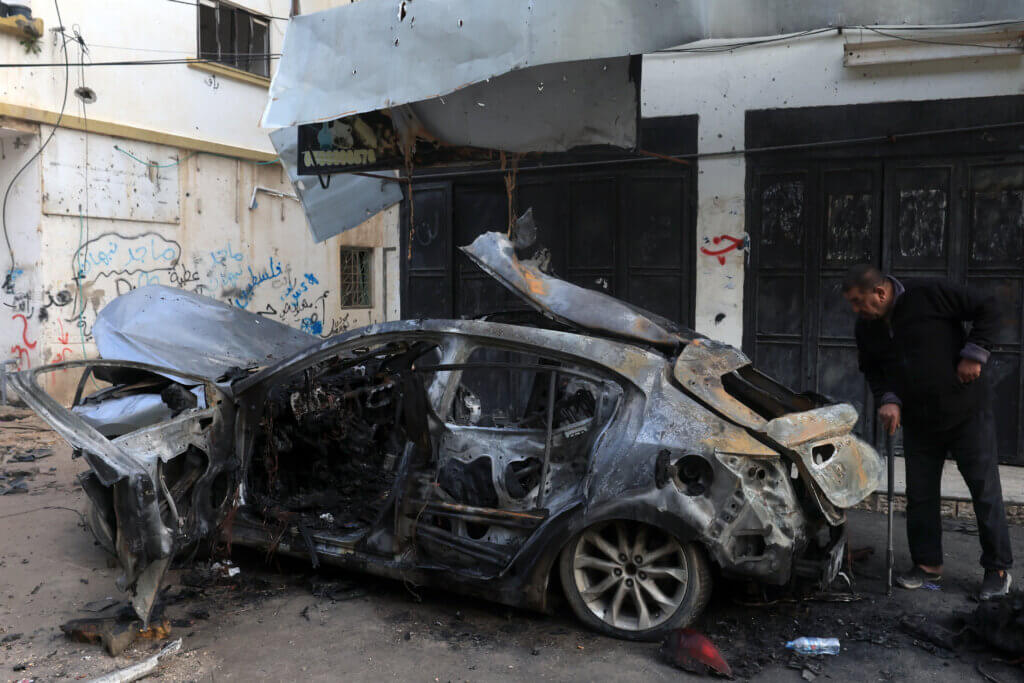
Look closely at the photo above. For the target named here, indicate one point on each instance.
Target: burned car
(594, 446)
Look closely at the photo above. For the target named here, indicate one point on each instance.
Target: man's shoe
(917, 577)
(994, 585)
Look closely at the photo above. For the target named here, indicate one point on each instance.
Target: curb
(952, 508)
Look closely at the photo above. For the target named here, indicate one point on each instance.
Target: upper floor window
(234, 37)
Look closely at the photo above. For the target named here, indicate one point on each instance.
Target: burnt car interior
(519, 430)
(331, 439)
(352, 448)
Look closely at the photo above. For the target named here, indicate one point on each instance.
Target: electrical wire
(703, 49)
(189, 156)
(885, 31)
(541, 166)
(728, 47)
(940, 42)
(60, 117)
(154, 165)
(180, 52)
(83, 246)
(139, 62)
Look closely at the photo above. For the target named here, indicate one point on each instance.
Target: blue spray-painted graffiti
(312, 324)
(12, 277)
(130, 262)
(116, 254)
(296, 289)
(256, 279)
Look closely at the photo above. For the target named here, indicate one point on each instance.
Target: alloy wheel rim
(630, 575)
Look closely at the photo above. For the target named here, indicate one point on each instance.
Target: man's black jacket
(914, 353)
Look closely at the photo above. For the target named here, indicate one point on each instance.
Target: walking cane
(890, 558)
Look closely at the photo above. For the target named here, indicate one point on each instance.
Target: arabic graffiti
(115, 254)
(257, 278)
(731, 243)
(61, 314)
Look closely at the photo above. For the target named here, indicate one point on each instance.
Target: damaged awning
(379, 54)
(347, 200)
(378, 83)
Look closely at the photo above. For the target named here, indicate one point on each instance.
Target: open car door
(162, 485)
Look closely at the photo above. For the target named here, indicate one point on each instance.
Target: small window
(356, 291)
(234, 37)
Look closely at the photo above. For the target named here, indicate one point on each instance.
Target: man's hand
(968, 370)
(890, 416)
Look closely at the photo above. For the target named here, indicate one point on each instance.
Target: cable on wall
(7, 193)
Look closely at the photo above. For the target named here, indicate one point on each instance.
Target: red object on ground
(689, 650)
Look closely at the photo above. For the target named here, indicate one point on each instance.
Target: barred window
(356, 280)
(234, 37)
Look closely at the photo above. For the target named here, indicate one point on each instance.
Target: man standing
(925, 373)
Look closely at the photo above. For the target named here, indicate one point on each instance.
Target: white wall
(722, 87)
(88, 222)
(19, 330)
(173, 99)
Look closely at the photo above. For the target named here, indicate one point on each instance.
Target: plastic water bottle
(815, 646)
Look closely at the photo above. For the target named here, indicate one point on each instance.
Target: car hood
(191, 334)
(569, 304)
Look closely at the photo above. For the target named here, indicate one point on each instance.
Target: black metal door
(814, 213)
(626, 231)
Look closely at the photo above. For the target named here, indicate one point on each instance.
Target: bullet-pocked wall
(166, 178)
(112, 215)
(721, 87)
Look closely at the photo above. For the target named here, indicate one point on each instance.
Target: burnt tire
(634, 581)
(99, 527)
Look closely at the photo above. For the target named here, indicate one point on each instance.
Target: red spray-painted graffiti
(731, 243)
(24, 330)
(21, 350)
(64, 339)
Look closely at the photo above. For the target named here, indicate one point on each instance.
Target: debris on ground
(140, 670)
(1000, 623)
(115, 633)
(814, 646)
(688, 650)
(925, 628)
(15, 481)
(225, 569)
(99, 605)
(30, 455)
(336, 591)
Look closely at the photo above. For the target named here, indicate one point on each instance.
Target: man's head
(869, 292)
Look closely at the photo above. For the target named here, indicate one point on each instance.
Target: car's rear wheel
(632, 580)
(100, 529)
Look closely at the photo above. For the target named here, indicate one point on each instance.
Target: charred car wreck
(595, 446)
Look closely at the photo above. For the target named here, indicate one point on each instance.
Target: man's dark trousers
(972, 444)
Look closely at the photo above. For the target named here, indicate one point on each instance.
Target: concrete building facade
(156, 173)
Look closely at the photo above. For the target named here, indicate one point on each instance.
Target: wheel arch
(547, 546)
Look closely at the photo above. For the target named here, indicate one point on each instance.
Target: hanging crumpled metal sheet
(345, 203)
(377, 54)
(516, 76)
